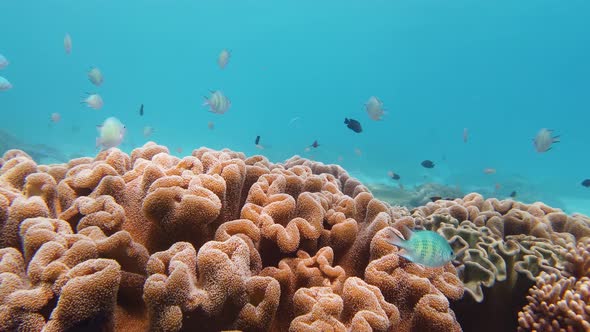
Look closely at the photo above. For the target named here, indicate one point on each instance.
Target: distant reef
(38, 152)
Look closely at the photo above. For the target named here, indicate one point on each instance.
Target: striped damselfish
(423, 247)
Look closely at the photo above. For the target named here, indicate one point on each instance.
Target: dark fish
(395, 176)
(427, 164)
(141, 110)
(437, 198)
(586, 183)
(353, 125)
(513, 194)
(315, 144)
(257, 140)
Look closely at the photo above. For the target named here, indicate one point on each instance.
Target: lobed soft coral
(210, 241)
(68, 281)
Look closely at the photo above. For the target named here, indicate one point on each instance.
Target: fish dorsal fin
(395, 237)
(408, 231)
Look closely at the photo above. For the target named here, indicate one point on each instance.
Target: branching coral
(557, 304)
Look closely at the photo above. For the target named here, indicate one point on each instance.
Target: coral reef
(558, 303)
(217, 240)
(501, 247)
(212, 241)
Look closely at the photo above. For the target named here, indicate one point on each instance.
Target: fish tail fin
(345, 120)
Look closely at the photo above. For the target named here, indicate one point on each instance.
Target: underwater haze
(502, 69)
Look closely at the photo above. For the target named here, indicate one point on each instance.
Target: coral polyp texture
(220, 241)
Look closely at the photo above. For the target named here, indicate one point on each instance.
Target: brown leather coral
(235, 243)
(224, 288)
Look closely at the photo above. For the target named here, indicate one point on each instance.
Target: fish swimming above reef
(223, 58)
(148, 131)
(141, 110)
(55, 117)
(257, 140)
(393, 175)
(544, 140)
(315, 144)
(93, 101)
(489, 171)
(427, 164)
(111, 133)
(217, 102)
(4, 84)
(95, 76)
(3, 61)
(374, 108)
(438, 198)
(423, 247)
(353, 125)
(513, 194)
(586, 183)
(68, 43)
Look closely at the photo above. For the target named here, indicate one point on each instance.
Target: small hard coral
(557, 304)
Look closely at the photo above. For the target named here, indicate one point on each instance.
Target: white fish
(93, 101)
(223, 58)
(3, 61)
(217, 102)
(111, 133)
(4, 84)
(544, 140)
(68, 43)
(95, 76)
(293, 120)
(55, 117)
(148, 131)
(374, 108)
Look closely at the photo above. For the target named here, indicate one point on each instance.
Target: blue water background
(503, 69)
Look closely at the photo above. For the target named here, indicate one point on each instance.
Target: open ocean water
(502, 69)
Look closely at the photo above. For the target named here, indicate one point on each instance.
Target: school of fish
(112, 131)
